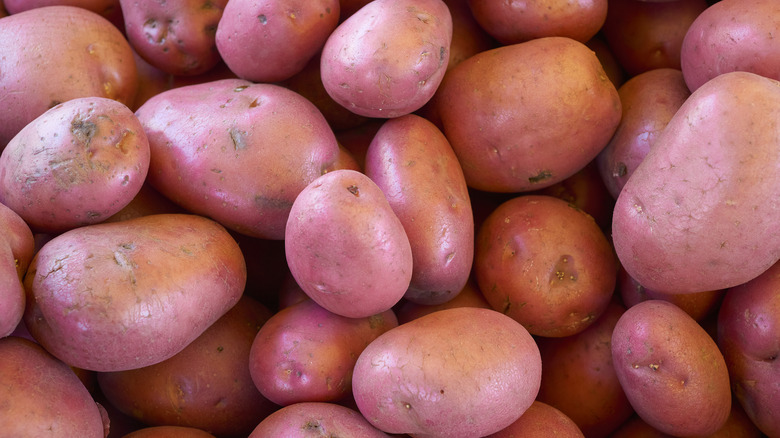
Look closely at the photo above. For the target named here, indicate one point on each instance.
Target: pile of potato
(423, 218)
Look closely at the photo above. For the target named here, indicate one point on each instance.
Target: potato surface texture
(236, 152)
(315, 420)
(461, 372)
(345, 246)
(698, 212)
(17, 247)
(389, 57)
(118, 296)
(526, 116)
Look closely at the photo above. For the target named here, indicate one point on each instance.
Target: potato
(42, 396)
(109, 9)
(520, 117)
(124, 295)
(540, 420)
(461, 372)
(748, 334)
(696, 213)
(207, 385)
(89, 58)
(272, 40)
(413, 163)
(469, 296)
(206, 140)
(388, 58)
(168, 432)
(732, 35)
(76, 164)
(314, 420)
(669, 367)
(305, 353)
(546, 264)
(346, 248)
(17, 246)
(176, 36)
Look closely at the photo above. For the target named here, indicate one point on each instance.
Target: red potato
(17, 247)
(521, 117)
(110, 9)
(206, 139)
(89, 58)
(669, 367)
(176, 36)
(695, 214)
(125, 295)
(272, 40)
(76, 164)
(541, 420)
(388, 58)
(469, 296)
(42, 396)
(168, 432)
(414, 165)
(461, 372)
(314, 420)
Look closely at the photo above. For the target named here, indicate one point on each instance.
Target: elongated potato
(124, 295)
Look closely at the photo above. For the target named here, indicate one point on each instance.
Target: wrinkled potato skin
(77, 164)
(176, 36)
(206, 138)
(541, 420)
(474, 368)
(42, 397)
(388, 58)
(413, 163)
(748, 334)
(694, 216)
(133, 293)
(90, 57)
(669, 366)
(520, 117)
(315, 420)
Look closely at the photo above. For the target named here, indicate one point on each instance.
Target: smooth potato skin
(42, 397)
(414, 165)
(541, 420)
(168, 432)
(314, 420)
(17, 247)
(520, 117)
(669, 366)
(694, 216)
(77, 164)
(117, 296)
(388, 58)
(110, 9)
(470, 367)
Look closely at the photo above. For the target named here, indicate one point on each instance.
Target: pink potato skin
(414, 165)
(541, 420)
(669, 366)
(388, 58)
(76, 164)
(732, 35)
(43, 397)
(315, 420)
(124, 295)
(471, 367)
(206, 138)
(110, 9)
(748, 334)
(17, 247)
(90, 57)
(695, 214)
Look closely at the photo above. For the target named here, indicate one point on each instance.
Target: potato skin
(470, 367)
(346, 248)
(520, 117)
(124, 295)
(169, 432)
(669, 366)
(314, 420)
(89, 58)
(388, 58)
(206, 138)
(110, 9)
(541, 420)
(414, 165)
(17, 247)
(694, 216)
(76, 164)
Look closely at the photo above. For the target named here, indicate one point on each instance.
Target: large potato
(522, 117)
(124, 295)
(698, 212)
(76, 164)
(89, 57)
(237, 152)
(461, 372)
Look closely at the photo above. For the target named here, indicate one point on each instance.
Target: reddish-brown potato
(469, 296)
(314, 420)
(168, 432)
(17, 246)
(541, 420)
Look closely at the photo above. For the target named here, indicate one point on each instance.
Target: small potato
(124, 295)
(669, 367)
(388, 58)
(462, 372)
(541, 420)
(76, 164)
(345, 246)
(315, 420)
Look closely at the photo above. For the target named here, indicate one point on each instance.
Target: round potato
(314, 420)
(541, 420)
(17, 246)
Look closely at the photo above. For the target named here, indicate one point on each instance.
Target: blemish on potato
(620, 170)
(541, 176)
(262, 18)
(654, 366)
(83, 130)
(354, 190)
